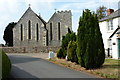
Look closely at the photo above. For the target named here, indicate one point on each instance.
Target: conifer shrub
(71, 51)
(90, 48)
(61, 53)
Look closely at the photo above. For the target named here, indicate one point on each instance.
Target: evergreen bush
(71, 51)
(62, 52)
(5, 65)
(90, 48)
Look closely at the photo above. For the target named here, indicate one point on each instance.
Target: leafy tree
(90, 48)
(8, 34)
(101, 12)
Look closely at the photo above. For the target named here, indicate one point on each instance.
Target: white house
(110, 29)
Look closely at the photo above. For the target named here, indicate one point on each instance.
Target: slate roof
(112, 15)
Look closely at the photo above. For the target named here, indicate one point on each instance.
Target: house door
(119, 47)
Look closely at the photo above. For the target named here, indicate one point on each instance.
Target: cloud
(109, 1)
(92, 5)
(12, 10)
(76, 7)
(40, 3)
(10, 6)
(7, 9)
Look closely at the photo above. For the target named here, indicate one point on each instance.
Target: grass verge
(110, 68)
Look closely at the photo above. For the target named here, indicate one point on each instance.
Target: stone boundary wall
(45, 49)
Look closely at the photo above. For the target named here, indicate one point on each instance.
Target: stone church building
(32, 30)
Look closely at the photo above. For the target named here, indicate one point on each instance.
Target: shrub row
(88, 48)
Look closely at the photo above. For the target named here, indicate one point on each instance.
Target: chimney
(109, 11)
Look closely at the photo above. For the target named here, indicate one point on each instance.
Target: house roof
(112, 15)
(117, 31)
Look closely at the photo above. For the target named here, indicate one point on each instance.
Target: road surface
(32, 67)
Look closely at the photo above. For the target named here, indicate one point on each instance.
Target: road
(32, 67)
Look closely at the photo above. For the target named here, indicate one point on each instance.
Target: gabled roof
(29, 9)
(111, 16)
(40, 18)
(117, 31)
(52, 16)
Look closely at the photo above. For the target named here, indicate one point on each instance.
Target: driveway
(24, 66)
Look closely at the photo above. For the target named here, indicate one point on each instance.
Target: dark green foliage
(101, 12)
(8, 34)
(69, 31)
(61, 53)
(65, 40)
(68, 37)
(6, 65)
(90, 48)
(71, 51)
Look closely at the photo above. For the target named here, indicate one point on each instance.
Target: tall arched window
(37, 32)
(58, 30)
(29, 29)
(21, 27)
(50, 31)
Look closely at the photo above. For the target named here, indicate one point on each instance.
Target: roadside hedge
(6, 65)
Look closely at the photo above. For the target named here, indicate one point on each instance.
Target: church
(32, 30)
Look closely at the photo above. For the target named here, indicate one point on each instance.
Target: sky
(12, 10)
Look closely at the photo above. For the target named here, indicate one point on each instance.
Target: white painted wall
(106, 34)
(115, 47)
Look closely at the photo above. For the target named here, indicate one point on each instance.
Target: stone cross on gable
(55, 9)
(29, 5)
(39, 14)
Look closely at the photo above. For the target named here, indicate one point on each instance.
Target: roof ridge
(111, 16)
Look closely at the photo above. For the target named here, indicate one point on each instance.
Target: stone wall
(29, 49)
(29, 19)
(65, 20)
(32, 30)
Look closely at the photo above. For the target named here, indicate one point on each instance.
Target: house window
(58, 30)
(21, 27)
(37, 32)
(50, 31)
(110, 24)
(29, 29)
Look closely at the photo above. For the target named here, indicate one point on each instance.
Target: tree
(61, 53)
(90, 48)
(71, 51)
(8, 34)
(101, 12)
(65, 40)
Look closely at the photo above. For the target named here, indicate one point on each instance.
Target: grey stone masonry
(43, 49)
(32, 30)
(63, 19)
